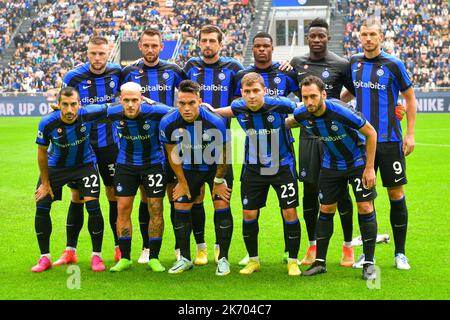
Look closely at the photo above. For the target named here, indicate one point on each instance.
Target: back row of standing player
(219, 78)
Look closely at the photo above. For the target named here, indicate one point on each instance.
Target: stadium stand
(415, 31)
(55, 42)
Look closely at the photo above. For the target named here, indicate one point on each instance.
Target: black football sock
(293, 237)
(183, 228)
(113, 220)
(345, 208)
(74, 224)
(250, 230)
(155, 247)
(368, 227)
(225, 230)
(172, 220)
(43, 226)
(324, 233)
(198, 222)
(285, 234)
(310, 213)
(95, 224)
(144, 220)
(125, 246)
(399, 223)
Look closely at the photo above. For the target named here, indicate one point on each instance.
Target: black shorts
(196, 180)
(84, 178)
(106, 162)
(333, 185)
(309, 160)
(255, 187)
(170, 175)
(390, 159)
(128, 178)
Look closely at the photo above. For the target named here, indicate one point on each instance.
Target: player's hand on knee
(222, 191)
(408, 144)
(43, 191)
(400, 111)
(180, 190)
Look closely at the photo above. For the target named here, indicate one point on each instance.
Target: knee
(396, 193)
(290, 214)
(328, 208)
(365, 207)
(250, 214)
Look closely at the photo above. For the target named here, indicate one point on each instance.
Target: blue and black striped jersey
(267, 143)
(196, 141)
(278, 83)
(217, 84)
(376, 86)
(158, 82)
(139, 137)
(69, 143)
(97, 89)
(344, 145)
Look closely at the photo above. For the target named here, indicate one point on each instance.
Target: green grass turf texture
(427, 195)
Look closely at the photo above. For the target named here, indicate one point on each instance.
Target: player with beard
(277, 83)
(159, 79)
(215, 74)
(97, 82)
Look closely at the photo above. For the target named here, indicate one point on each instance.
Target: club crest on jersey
(221, 76)
(277, 80)
(40, 134)
(271, 118)
(146, 126)
(82, 129)
(89, 82)
(334, 127)
(380, 72)
(325, 74)
(165, 76)
(302, 2)
(359, 64)
(206, 136)
(112, 84)
(122, 123)
(59, 130)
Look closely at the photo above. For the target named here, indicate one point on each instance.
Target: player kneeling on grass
(269, 161)
(201, 137)
(68, 160)
(349, 153)
(139, 162)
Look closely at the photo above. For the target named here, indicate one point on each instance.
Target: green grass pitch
(427, 247)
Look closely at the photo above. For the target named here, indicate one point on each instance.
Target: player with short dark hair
(349, 143)
(201, 138)
(97, 82)
(333, 70)
(65, 155)
(277, 83)
(215, 74)
(159, 80)
(269, 161)
(378, 78)
(139, 162)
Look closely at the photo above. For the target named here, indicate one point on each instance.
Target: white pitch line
(433, 145)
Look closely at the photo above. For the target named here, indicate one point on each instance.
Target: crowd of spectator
(56, 40)
(416, 31)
